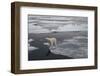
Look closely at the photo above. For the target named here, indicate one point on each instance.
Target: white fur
(53, 42)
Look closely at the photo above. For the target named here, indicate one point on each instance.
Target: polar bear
(52, 42)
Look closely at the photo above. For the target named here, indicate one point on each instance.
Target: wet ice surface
(72, 44)
(75, 47)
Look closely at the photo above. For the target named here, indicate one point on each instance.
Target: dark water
(70, 45)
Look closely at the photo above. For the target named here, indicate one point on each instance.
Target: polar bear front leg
(55, 43)
(51, 43)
